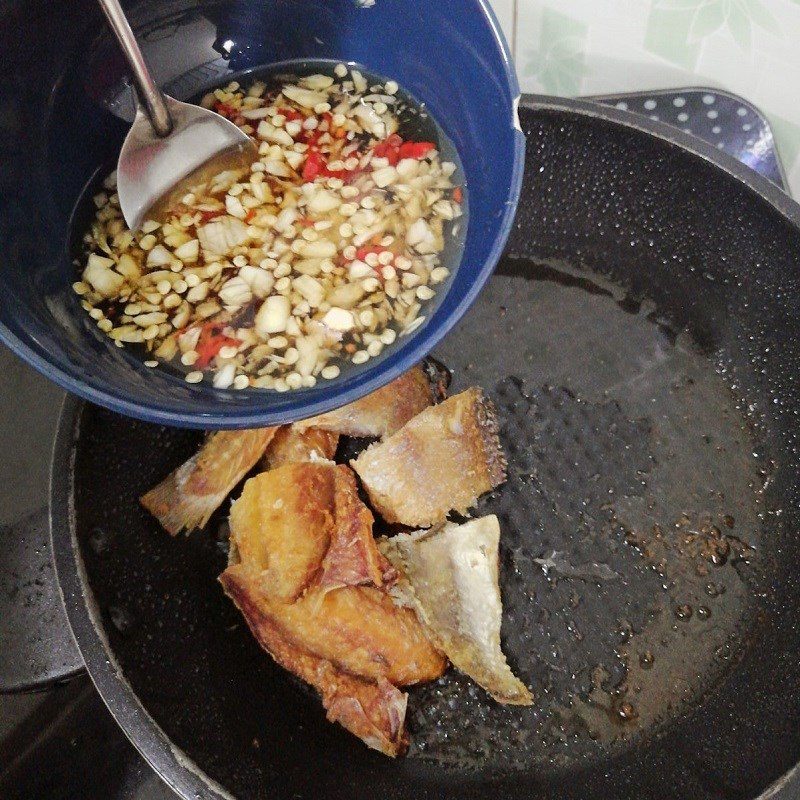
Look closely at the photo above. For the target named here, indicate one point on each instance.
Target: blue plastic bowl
(72, 99)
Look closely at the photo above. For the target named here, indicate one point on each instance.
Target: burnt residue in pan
(630, 523)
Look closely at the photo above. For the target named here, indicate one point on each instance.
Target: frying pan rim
(669, 91)
(749, 178)
(168, 761)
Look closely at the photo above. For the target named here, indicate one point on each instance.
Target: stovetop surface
(62, 743)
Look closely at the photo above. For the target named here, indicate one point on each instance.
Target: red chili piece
(290, 114)
(207, 216)
(415, 149)
(225, 110)
(389, 149)
(210, 342)
(364, 251)
(315, 164)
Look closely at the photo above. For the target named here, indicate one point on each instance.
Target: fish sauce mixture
(323, 252)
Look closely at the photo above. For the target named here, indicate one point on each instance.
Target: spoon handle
(149, 94)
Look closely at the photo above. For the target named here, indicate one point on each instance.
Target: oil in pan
(629, 523)
(630, 532)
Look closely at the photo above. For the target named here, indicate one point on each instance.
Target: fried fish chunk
(352, 558)
(440, 461)
(303, 524)
(380, 413)
(290, 445)
(361, 630)
(372, 710)
(281, 525)
(352, 642)
(188, 497)
(452, 582)
(375, 712)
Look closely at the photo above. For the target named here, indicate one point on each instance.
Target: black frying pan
(640, 340)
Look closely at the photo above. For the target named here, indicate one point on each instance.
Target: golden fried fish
(188, 497)
(281, 526)
(372, 710)
(352, 558)
(452, 582)
(440, 461)
(300, 542)
(290, 445)
(380, 413)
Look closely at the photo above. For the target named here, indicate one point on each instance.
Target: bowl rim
(418, 344)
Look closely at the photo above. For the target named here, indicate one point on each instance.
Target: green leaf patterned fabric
(749, 47)
(558, 61)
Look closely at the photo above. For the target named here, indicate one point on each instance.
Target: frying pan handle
(37, 646)
(149, 93)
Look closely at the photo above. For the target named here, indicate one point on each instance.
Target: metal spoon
(169, 140)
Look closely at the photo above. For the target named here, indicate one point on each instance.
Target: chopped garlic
(222, 235)
(99, 275)
(273, 315)
(338, 319)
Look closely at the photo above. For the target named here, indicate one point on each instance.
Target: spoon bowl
(153, 169)
(169, 141)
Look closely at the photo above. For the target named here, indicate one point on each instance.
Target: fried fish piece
(352, 642)
(452, 582)
(372, 710)
(380, 413)
(441, 460)
(283, 529)
(375, 712)
(188, 497)
(303, 524)
(290, 445)
(352, 558)
(362, 631)
(281, 525)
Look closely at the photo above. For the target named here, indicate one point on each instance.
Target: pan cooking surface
(629, 542)
(629, 522)
(662, 638)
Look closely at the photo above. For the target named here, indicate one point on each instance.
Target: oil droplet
(120, 618)
(627, 712)
(646, 659)
(98, 540)
(684, 611)
(703, 612)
